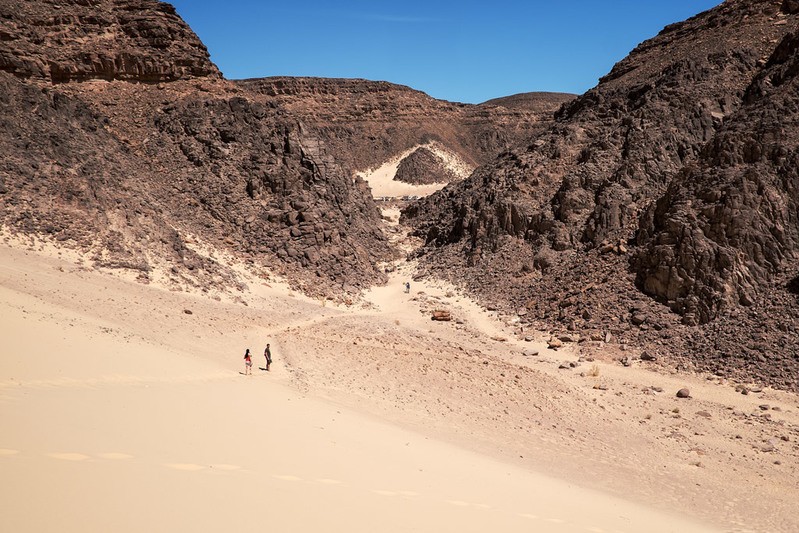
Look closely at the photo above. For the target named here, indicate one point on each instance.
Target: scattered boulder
(683, 393)
(646, 356)
(441, 315)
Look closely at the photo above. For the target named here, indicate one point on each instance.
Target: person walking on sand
(247, 363)
(407, 287)
(268, 356)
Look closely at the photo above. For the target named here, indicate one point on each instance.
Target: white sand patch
(381, 179)
(451, 160)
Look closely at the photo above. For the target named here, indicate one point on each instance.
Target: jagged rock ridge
(78, 40)
(143, 173)
(680, 158)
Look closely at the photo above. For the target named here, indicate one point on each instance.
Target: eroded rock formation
(151, 173)
(671, 182)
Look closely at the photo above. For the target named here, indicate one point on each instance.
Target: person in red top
(247, 363)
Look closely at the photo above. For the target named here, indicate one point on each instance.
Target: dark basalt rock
(423, 167)
(682, 162)
(133, 171)
(78, 40)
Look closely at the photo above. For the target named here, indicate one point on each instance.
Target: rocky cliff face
(78, 40)
(146, 174)
(366, 123)
(728, 224)
(682, 159)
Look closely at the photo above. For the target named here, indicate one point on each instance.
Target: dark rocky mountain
(660, 207)
(97, 156)
(423, 167)
(657, 211)
(529, 101)
(137, 40)
(365, 123)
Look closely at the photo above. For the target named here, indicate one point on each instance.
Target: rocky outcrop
(672, 179)
(728, 225)
(138, 174)
(78, 40)
(422, 167)
(588, 177)
(366, 123)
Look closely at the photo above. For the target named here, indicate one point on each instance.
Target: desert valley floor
(123, 408)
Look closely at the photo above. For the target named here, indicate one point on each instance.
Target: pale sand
(381, 179)
(120, 412)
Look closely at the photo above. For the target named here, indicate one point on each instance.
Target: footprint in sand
(6, 452)
(227, 468)
(116, 456)
(68, 456)
(325, 481)
(287, 477)
(458, 503)
(187, 467)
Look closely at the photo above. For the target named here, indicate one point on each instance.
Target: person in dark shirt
(268, 356)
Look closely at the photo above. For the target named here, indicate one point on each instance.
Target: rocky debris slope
(422, 167)
(366, 123)
(681, 159)
(145, 174)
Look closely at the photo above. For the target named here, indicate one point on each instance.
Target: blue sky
(464, 51)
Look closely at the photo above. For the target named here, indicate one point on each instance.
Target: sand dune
(123, 412)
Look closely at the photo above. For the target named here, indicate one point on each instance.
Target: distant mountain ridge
(366, 123)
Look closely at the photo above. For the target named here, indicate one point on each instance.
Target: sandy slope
(120, 411)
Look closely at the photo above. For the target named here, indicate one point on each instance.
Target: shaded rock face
(422, 167)
(728, 225)
(366, 123)
(78, 40)
(672, 179)
(587, 178)
(139, 173)
(273, 188)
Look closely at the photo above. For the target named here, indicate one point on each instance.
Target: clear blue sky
(464, 51)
